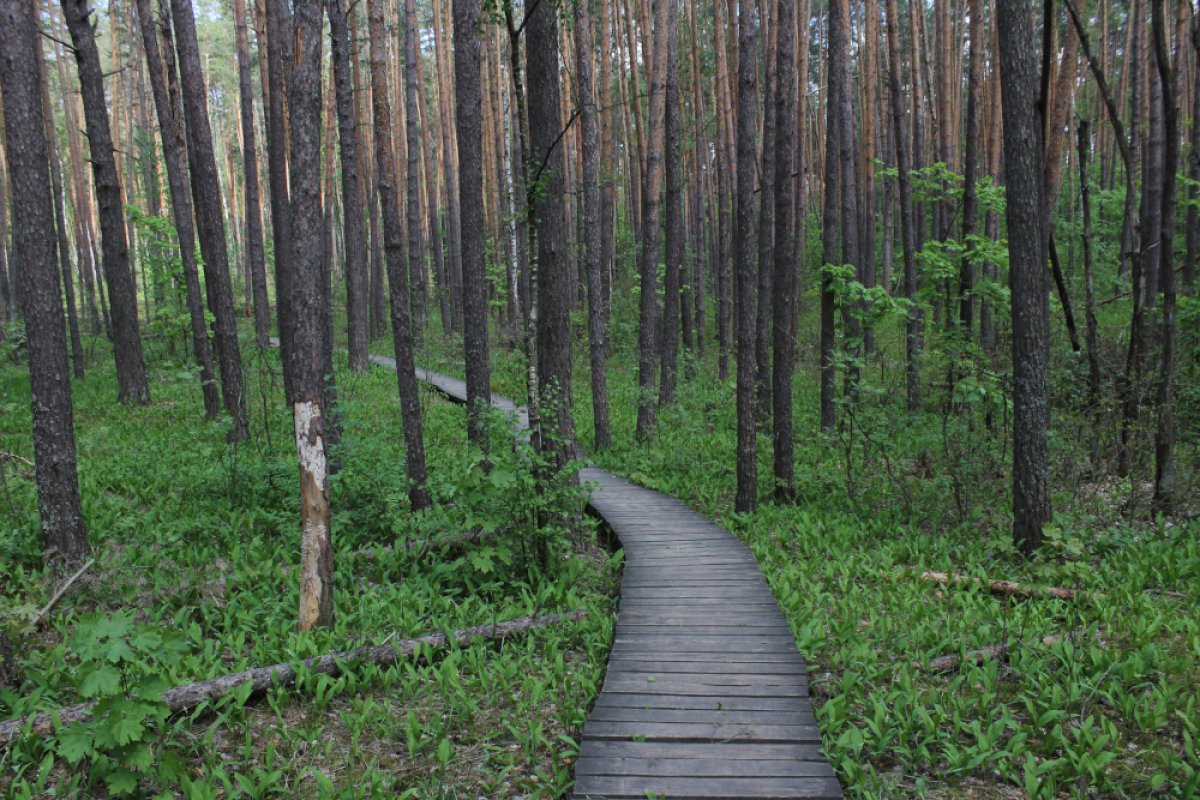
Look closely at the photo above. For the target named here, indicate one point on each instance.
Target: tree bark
(1193, 193)
(833, 219)
(672, 279)
(553, 292)
(787, 264)
(1023, 150)
(596, 223)
(206, 194)
(1164, 437)
(912, 325)
(352, 210)
(310, 309)
(64, 536)
(468, 98)
(393, 237)
(122, 293)
(966, 273)
(747, 469)
(1083, 136)
(60, 217)
(452, 273)
(766, 225)
(256, 265)
(650, 222)
(279, 55)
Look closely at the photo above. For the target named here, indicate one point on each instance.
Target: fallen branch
(992, 651)
(13, 457)
(61, 591)
(190, 696)
(1000, 588)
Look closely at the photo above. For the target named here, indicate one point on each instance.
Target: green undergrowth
(197, 551)
(1112, 709)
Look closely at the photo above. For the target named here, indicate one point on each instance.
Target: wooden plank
(704, 768)
(712, 679)
(702, 732)
(638, 653)
(724, 751)
(622, 787)
(682, 689)
(718, 702)
(710, 715)
(720, 667)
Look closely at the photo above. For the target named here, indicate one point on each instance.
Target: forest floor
(197, 546)
(1110, 708)
(1094, 697)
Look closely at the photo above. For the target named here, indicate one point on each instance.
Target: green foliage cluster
(1108, 711)
(197, 548)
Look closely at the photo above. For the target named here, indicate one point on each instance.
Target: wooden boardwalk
(705, 694)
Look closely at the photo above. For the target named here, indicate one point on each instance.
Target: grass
(197, 548)
(1112, 710)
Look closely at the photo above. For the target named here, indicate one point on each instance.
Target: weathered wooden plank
(608, 787)
(704, 768)
(795, 668)
(719, 751)
(630, 653)
(702, 732)
(701, 715)
(678, 689)
(795, 704)
(669, 680)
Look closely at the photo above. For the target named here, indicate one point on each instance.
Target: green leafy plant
(123, 668)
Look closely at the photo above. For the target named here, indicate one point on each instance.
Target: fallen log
(188, 697)
(1000, 588)
(991, 651)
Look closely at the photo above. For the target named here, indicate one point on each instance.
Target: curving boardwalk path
(705, 694)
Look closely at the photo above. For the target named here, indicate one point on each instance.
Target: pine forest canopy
(929, 266)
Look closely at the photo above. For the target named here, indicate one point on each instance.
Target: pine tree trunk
(970, 203)
(468, 98)
(550, 274)
(1027, 272)
(453, 272)
(256, 266)
(1164, 437)
(788, 258)
(648, 321)
(279, 55)
(766, 229)
(352, 211)
(672, 279)
(836, 128)
(122, 293)
(63, 533)
(596, 225)
(393, 235)
(1193, 193)
(747, 470)
(60, 218)
(310, 309)
(206, 194)
(1083, 136)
